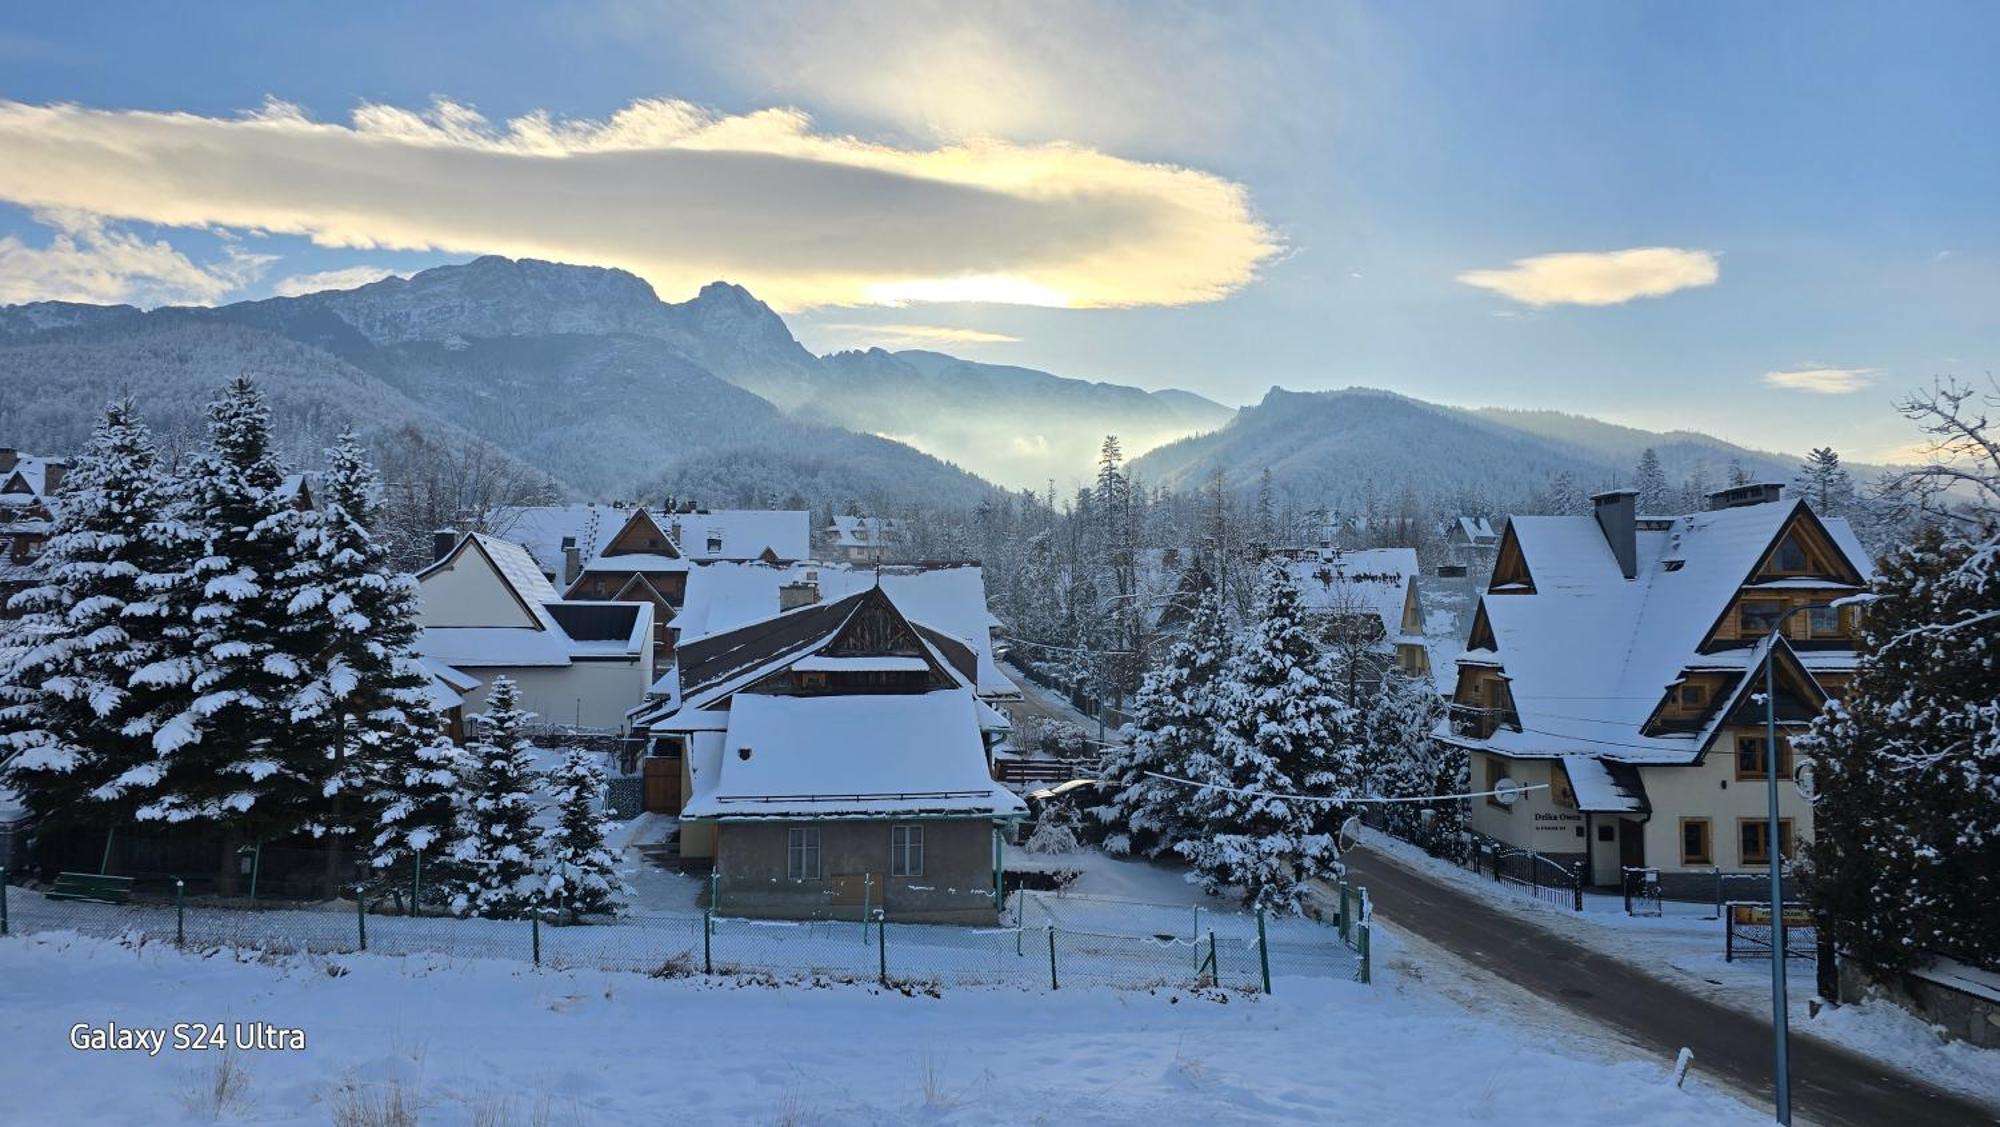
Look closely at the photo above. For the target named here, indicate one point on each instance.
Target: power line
(1248, 793)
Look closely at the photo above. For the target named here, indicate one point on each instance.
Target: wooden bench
(96, 888)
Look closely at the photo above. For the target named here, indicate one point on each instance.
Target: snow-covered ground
(498, 1042)
(1684, 946)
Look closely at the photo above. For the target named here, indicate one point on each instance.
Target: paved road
(1829, 1085)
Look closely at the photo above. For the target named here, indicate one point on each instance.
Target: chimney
(1742, 496)
(572, 564)
(52, 475)
(1616, 512)
(9, 458)
(442, 542)
(798, 593)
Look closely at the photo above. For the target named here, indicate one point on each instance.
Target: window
(714, 543)
(1695, 847)
(906, 851)
(1753, 836)
(1824, 622)
(1750, 757)
(1759, 617)
(1790, 555)
(802, 853)
(1694, 696)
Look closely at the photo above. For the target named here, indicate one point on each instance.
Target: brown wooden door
(1631, 844)
(663, 785)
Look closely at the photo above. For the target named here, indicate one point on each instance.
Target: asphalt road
(1829, 1085)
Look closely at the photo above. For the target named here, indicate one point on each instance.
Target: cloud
(916, 336)
(1823, 380)
(675, 193)
(345, 278)
(87, 259)
(1598, 277)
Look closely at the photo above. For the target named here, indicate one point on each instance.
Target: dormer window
(715, 543)
(1693, 696)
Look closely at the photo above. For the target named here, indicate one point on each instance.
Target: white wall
(1534, 821)
(595, 694)
(1699, 792)
(468, 593)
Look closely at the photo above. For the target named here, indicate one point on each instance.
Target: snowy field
(496, 1043)
(1683, 946)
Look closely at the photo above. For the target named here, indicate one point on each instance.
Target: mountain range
(584, 375)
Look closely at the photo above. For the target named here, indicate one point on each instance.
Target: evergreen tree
(1283, 733)
(1739, 474)
(96, 617)
(1172, 728)
(420, 806)
(1402, 759)
(1825, 484)
(1651, 482)
(582, 870)
(498, 843)
(228, 754)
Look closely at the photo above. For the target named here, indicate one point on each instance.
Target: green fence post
(180, 912)
(361, 915)
(1343, 912)
(881, 948)
(535, 921)
(867, 887)
(417, 884)
(1366, 927)
(1263, 951)
(1052, 957)
(3, 899)
(707, 931)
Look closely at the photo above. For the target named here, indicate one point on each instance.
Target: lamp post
(1780, 1018)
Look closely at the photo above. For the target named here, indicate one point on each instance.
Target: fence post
(1728, 939)
(867, 887)
(714, 891)
(1214, 964)
(417, 886)
(1579, 886)
(1366, 927)
(1263, 951)
(361, 914)
(881, 947)
(1718, 891)
(535, 923)
(3, 899)
(1343, 911)
(707, 932)
(1052, 957)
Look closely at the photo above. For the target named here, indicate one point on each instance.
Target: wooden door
(1631, 844)
(662, 785)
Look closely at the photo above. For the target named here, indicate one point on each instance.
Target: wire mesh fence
(1041, 942)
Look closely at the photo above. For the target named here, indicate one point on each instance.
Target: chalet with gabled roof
(1616, 660)
(832, 756)
(28, 486)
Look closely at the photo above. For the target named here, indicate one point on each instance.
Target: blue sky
(1307, 195)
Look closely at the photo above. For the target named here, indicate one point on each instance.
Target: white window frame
(906, 851)
(801, 847)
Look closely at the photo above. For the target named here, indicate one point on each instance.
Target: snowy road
(1829, 1085)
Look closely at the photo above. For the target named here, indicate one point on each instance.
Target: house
(1471, 532)
(769, 535)
(1616, 660)
(638, 564)
(560, 537)
(28, 485)
(488, 611)
(864, 540)
(1364, 598)
(834, 757)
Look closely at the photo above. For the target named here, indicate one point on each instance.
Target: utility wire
(1341, 801)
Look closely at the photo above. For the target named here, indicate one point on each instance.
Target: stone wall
(1961, 1015)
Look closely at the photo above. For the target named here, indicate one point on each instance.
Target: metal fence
(1042, 942)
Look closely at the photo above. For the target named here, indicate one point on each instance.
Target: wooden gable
(1510, 568)
(1804, 549)
(876, 627)
(1801, 566)
(642, 535)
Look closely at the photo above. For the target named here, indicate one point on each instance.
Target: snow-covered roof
(595, 628)
(865, 532)
(1602, 787)
(541, 529)
(29, 477)
(1590, 654)
(742, 534)
(448, 686)
(1477, 530)
(867, 756)
(1364, 581)
(637, 561)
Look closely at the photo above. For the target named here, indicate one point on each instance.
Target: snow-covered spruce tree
(1651, 482)
(499, 844)
(70, 711)
(228, 754)
(1283, 732)
(1173, 726)
(365, 700)
(1825, 484)
(421, 809)
(582, 872)
(1400, 756)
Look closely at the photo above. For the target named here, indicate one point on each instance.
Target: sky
(1763, 222)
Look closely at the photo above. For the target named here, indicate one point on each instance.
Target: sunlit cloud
(1823, 380)
(916, 336)
(345, 278)
(670, 191)
(89, 260)
(1598, 277)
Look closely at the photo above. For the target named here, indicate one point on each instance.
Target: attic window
(1694, 696)
(1791, 556)
(1672, 565)
(743, 753)
(714, 542)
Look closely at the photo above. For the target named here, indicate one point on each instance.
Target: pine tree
(582, 870)
(1284, 733)
(71, 708)
(498, 843)
(420, 806)
(1400, 757)
(1172, 728)
(228, 755)
(1651, 482)
(1825, 484)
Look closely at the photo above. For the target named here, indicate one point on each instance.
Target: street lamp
(1780, 1020)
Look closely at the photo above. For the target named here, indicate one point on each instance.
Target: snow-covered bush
(1055, 830)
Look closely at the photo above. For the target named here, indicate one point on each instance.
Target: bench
(96, 888)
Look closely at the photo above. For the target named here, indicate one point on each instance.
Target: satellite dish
(1506, 792)
(1350, 833)
(1807, 782)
